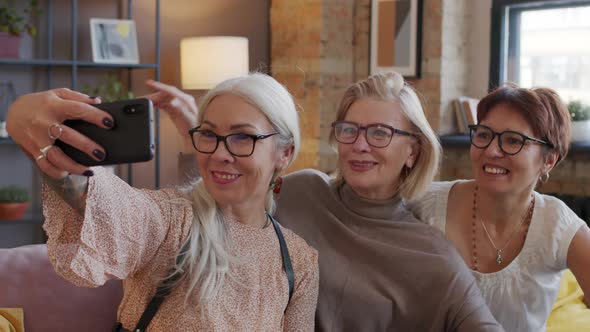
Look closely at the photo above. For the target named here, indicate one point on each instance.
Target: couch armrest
(50, 303)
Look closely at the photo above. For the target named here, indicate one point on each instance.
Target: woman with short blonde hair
(392, 87)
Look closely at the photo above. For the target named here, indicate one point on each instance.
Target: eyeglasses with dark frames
(378, 135)
(238, 144)
(510, 142)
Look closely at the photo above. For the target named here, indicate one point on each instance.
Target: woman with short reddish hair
(516, 241)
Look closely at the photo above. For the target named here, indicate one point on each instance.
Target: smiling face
(374, 173)
(239, 181)
(498, 172)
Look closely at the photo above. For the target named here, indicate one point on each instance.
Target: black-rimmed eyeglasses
(510, 142)
(238, 145)
(377, 134)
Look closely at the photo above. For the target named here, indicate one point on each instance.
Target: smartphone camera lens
(132, 109)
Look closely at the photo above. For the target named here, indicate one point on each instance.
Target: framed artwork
(113, 41)
(396, 37)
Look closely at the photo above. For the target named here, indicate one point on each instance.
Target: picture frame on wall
(113, 41)
(396, 37)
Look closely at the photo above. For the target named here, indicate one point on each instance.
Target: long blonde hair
(391, 87)
(206, 263)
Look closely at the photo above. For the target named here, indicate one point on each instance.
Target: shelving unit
(55, 67)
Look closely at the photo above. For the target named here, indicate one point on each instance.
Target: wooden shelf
(70, 63)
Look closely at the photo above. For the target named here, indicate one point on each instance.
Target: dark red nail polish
(88, 173)
(107, 122)
(98, 154)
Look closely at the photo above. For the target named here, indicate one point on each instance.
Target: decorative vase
(10, 45)
(581, 131)
(13, 211)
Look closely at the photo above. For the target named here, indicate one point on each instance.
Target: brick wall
(319, 47)
(296, 27)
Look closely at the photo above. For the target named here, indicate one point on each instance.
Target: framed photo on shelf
(396, 37)
(113, 41)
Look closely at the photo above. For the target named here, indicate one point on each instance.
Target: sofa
(50, 303)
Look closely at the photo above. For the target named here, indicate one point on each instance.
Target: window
(542, 43)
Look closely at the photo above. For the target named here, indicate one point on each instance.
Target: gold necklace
(526, 217)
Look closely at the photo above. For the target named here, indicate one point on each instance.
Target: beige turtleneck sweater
(380, 269)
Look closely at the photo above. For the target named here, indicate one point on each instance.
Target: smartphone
(131, 139)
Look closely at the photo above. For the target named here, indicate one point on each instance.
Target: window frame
(505, 14)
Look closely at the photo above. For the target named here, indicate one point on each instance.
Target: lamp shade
(206, 61)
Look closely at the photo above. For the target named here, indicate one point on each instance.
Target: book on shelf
(461, 119)
(466, 113)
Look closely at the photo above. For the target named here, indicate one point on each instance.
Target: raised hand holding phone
(130, 140)
(31, 117)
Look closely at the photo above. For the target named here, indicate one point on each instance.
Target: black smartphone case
(130, 140)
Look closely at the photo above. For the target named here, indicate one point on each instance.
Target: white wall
(478, 47)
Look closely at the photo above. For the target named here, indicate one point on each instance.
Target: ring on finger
(44, 151)
(57, 127)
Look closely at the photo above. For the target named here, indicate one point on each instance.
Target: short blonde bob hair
(392, 87)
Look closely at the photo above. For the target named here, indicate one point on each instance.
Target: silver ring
(60, 131)
(44, 152)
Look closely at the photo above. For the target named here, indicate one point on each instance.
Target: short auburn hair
(542, 108)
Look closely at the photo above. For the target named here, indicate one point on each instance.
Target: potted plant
(580, 115)
(111, 89)
(14, 201)
(13, 23)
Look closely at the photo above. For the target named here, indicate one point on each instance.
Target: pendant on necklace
(499, 258)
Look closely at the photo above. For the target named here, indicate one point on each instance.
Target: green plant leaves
(111, 89)
(17, 22)
(578, 110)
(13, 194)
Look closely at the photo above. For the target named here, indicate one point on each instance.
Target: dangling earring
(276, 185)
(544, 177)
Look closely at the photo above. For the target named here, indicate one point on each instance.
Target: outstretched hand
(35, 121)
(181, 107)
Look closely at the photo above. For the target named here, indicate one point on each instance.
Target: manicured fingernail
(88, 173)
(98, 154)
(92, 97)
(108, 122)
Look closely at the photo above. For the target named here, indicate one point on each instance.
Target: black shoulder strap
(164, 288)
(286, 258)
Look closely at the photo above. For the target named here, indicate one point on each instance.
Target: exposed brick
(563, 171)
(319, 47)
(582, 170)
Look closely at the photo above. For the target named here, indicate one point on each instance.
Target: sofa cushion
(50, 303)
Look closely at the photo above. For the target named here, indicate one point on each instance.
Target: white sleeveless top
(521, 295)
